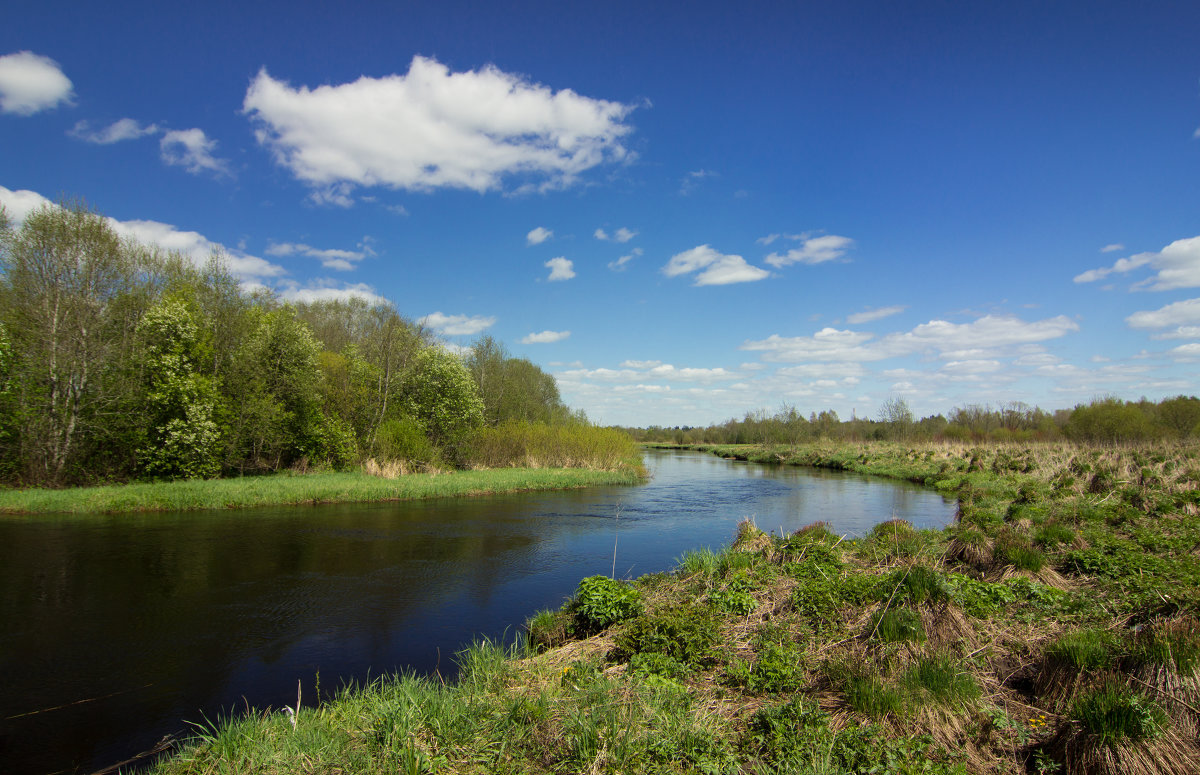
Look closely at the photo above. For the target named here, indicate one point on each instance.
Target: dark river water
(116, 631)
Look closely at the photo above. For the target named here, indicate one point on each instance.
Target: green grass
(301, 489)
(1054, 626)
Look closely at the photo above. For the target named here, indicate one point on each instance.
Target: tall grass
(537, 445)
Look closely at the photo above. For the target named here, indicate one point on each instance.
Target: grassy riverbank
(1052, 629)
(311, 488)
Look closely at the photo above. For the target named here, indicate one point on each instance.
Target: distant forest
(1106, 420)
(119, 361)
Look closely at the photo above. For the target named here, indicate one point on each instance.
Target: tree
(276, 418)
(896, 415)
(183, 440)
(65, 270)
(440, 393)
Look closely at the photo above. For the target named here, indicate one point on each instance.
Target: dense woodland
(1105, 420)
(119, 361)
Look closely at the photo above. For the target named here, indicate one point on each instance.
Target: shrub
(601, 602)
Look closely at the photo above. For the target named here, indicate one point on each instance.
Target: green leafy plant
(601, 602)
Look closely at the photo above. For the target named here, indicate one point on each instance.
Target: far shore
(291, 489)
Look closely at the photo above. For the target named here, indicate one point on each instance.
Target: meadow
(1052, 628)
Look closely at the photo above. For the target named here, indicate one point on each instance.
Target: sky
(683, 211)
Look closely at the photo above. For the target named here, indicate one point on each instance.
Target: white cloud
(122, 129)
(1180, 332)
(719, 269)
(30, 83)
(620, 235)
(692, 180)
(1114, 247)
(545, 337)
(192, 150)
(871, 315)
(767, 240)
(823, 371)
(813, 250)
(538, 236)
(196, 247)
(620, 264)
(1177, 266)
(1187, 350)
(332, 258)
(1181, 313)
(955, 340)
(640, 364)
(456, 325)
(433, 129)
(328, 290)
(560, 269)
(193, 245)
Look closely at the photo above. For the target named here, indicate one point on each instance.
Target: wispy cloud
(332, 258)
(692, 180)
(717, 268)
(193, 150)
(870, 315)
(431, 129)
(1176, 266)
(545, 337)
(620, 235)
(456, 325)
(31, 83)
(118, 131)
(1113, 248)
(621, 264)
(812, 250)
(954, 341)
(329, 290)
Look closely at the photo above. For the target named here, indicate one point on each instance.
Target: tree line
(1104, 420)
(121, 361)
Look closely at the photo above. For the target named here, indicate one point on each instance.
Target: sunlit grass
(301, 489)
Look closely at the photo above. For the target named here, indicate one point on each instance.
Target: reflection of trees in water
(184, 601)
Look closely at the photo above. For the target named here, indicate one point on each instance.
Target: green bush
(404, 439)
(601, 602)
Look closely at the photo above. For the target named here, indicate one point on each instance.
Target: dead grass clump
(1081, 751)
(388, 469)
(970, 547)
(750, 539)
(1166, 660)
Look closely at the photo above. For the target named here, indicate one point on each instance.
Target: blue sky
(682, 211)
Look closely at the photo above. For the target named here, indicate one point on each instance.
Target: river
(118, 630)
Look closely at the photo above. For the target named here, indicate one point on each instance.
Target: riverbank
(1052, 629)
(292, 489)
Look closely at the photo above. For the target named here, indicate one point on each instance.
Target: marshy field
(1052, 628)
